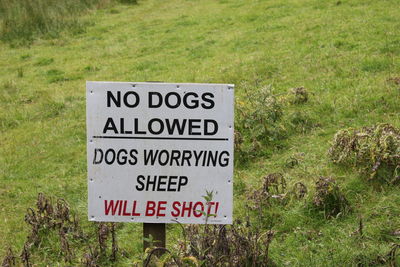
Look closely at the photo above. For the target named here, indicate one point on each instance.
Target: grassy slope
(344, 53)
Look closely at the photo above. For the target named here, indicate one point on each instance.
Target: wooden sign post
(157, 232)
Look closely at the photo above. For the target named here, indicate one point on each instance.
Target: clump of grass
(267, 202)
(23, 20)
(10, 87)
(275, 191)
(50, 109)
(20, 73)
(294, 160)
(374, 150)
(375, 65)
(44, 61)
(298, 95)
(28, 18)
(329, 198)
(90, 68)
(299, 190)
(272, 192)
(55, 75)
(25, 56)
(301, 121)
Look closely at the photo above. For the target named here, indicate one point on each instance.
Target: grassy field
(344, 52)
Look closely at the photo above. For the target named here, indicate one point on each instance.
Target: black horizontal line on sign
(160, 138)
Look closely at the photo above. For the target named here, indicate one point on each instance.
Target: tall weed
(374, 151)
(258, 123)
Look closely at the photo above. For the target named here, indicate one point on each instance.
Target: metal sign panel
(156, 152)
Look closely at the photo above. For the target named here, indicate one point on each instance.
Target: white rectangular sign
(154, 150)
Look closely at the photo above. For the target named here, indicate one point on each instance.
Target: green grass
(21, 21)
(343, 52)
